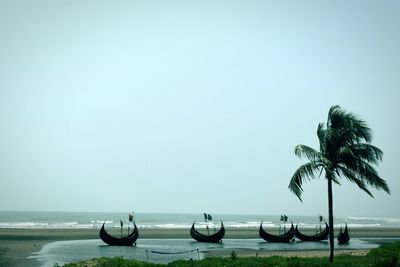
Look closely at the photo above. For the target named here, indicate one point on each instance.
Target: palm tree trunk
(330, 210)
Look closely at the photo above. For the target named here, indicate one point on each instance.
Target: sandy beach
(17, 244)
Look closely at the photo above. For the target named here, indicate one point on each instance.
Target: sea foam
(82, 220)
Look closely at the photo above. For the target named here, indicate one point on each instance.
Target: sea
(167, 250)
(85, 220)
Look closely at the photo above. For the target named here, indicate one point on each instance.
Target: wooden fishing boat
(323, 235)
(284, 238)
(343, 237)
(213, 238)
(128, 240)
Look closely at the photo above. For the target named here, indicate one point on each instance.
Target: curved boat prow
(343, 236)
(323, 235)
(128, 240)
(286, 237)
(213, 238)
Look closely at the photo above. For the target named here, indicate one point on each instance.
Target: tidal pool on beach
(166, 250)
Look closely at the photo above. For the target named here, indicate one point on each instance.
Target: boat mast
(122, 224)
(206, 218)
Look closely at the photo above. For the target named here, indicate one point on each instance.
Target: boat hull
(323, 235)
(114, 241)
(344, 237)
(214, 238)
(284, 238)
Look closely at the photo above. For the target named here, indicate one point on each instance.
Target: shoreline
(17, 244)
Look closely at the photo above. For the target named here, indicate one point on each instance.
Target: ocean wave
(252, 224)
(359, 225)
(101, 222)
(173, 226)
(32, 225)
(389, 220)
(200, 225)
(31, 220)
(23, 225)
(337, 224)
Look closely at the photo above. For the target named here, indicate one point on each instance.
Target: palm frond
(352, 178)
(367, 152)
(355, 128)
(371, 177)
(333, 112)
(351, 155)
(335, 180)
(304, 173)
(307, 152)
(336, 118)
(344, 155)
(360, 128)
(321, 133)
(366, 173)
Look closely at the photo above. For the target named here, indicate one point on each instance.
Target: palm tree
(345, 152)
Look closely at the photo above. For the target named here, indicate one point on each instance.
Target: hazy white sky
(190, 106)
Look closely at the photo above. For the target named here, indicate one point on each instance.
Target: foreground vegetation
(385, 255)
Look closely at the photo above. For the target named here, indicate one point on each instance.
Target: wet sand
(17, 244)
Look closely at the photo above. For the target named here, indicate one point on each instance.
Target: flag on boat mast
(131, 217)
(207, 217)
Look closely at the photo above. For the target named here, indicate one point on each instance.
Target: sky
(190, 106)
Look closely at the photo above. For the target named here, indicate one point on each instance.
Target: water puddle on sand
(167, 250)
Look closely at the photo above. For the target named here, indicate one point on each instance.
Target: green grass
(385, 255)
